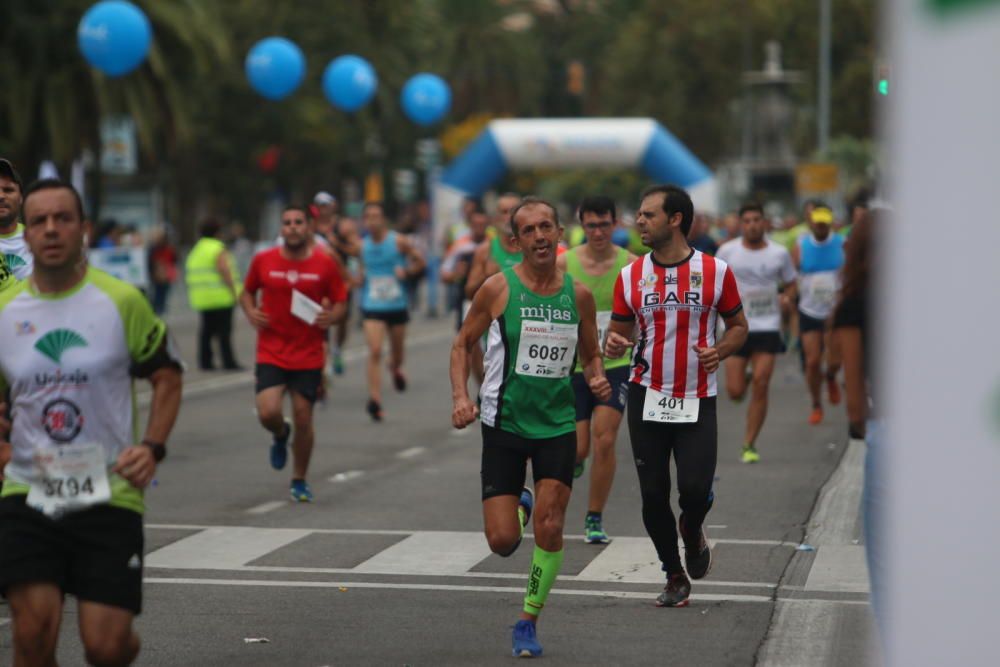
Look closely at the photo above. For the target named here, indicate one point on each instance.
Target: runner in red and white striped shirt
(672, 298)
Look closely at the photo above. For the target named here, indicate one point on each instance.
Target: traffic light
(882, 72)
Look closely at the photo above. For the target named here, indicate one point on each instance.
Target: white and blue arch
(571, 143)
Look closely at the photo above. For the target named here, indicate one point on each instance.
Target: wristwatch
(158, 448)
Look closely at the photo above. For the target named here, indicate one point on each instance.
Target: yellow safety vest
(206, 290)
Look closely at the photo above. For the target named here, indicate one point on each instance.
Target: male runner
(675, 295)
(12, 245)
(497, 253)
(766, 280)
(455, 270)
(818, 256)
(535, 315)
(343, 236)
(290, 352)
(71, 509)
(387, 259)
(596, 264)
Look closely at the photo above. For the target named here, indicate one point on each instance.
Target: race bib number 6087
(546, 349)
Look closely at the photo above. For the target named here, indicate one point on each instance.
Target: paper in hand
(305, 308)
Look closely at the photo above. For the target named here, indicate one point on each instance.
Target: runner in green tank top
(498, 253)
(536, 315)
(596, 264)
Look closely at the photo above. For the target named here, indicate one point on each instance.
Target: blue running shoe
(526, 641)
(301, 493)
(279, 448)
(527, 501)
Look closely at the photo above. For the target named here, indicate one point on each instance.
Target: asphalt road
(389, 567)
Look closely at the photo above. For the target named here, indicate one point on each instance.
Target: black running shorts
(586, 402)
(94, 554)
(390, 317)
(769, 342)
(305, 383)
(808, 323)
(506, 456)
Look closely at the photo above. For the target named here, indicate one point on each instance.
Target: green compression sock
(545, 566)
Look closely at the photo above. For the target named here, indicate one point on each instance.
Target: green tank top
(603, 289)
(529, 355)
(504, 259)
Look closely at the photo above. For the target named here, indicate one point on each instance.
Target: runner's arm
(222, 264)
(477, 271)
(349, 241)
(621, 328)
(589, 346)
(477, 321)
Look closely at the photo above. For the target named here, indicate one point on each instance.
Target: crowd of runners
(562, 344)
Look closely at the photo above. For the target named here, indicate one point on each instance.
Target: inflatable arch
(570, 143)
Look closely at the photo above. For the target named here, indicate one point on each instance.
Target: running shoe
(676, 592)
(578, 469)
(750, 455)
(338, 363)
(525, 640)
(593, 532)
(399, 380)
(816, 416)
(697, 552)
(300, 491)
(834, 390)
(527, 501)
(374, 410)
(279, 448)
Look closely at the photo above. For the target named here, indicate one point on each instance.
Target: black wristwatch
(158, 448)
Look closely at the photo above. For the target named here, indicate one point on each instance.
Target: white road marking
(839, 569)
(626, 559)
(347, 476)
(631, 595)
(264, 508)
(434, 553)
(368, 531)
(223, 548)
(411, 452)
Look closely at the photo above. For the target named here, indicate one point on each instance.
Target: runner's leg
(603, 464)
(36, 613)
(107, 634)
(812, 347)
(763, 367)
(269, 409)
(397, 347)
(551, 499)
(582, 440)
(302, 442)
(736, 376)
(374, 337)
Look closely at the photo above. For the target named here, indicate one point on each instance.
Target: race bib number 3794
(546, 349)
(70, 478)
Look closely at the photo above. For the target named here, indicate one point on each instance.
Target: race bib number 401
(546, 349)
(669, 409)
(70, 478)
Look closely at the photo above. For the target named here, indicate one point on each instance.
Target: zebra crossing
(414, 559)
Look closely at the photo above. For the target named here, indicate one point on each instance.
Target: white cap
(323, 197)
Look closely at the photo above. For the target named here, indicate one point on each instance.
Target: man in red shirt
(301, 295)
(671, 299)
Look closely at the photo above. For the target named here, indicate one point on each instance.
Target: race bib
(384, 288)
(71, 478)
(761, 303)
(659, 407)
(824, 290)
(546, 349)
(603, 321)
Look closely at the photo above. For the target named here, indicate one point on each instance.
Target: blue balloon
(426, 98)
(349, 82)
(275, 67)
(620, 237)
(114, 36)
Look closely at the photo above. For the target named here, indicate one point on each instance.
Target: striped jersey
(675, 307)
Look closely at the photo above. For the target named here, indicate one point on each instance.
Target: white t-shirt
(759, 274)
(20, 261)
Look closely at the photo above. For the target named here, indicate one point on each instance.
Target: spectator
(161, 260)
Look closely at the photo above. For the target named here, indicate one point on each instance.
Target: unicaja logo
(54, 343)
